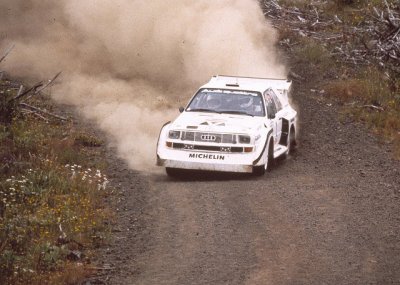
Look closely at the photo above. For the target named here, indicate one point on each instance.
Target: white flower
(104, 185)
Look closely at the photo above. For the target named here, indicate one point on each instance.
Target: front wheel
(260, 170)
(172, 172)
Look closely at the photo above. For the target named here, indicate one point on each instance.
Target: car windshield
(228, 102)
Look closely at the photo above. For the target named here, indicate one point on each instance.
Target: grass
(51, 202)
(369, 93)
(371, 97)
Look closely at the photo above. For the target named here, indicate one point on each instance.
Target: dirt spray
(128, 64)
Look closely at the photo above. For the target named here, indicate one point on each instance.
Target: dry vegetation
(52, 188)
(348, 50)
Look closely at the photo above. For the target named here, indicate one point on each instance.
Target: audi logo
(210, 138)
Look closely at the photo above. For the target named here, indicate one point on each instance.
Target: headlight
(174, 135)
(244, 139)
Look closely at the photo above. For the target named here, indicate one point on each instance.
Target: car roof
(247, 83)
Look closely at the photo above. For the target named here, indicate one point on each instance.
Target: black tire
(271, 160)
(172, 172)
(292, 141)
(259, 170)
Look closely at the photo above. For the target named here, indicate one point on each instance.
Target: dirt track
(328, 215)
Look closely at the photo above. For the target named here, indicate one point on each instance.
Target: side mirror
(271, 116)
(181, 109)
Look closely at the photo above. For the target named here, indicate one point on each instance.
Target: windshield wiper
(237, 113)
(204, 110)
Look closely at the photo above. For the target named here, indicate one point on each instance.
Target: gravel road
(327, 215)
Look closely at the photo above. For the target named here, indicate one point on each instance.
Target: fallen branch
(35, 109)
(3, 245)
(36, 89)
(33, 88)
(35, 114)
(101, 268)
(295, 76)
(49, 83)
(377, 108)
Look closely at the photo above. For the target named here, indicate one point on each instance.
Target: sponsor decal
(207, 156)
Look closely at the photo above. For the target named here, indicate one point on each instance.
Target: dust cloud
(128, 64)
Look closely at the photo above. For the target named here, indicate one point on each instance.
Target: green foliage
(88, 140)
(42, 198)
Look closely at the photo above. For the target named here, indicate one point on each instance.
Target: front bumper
(221, 167)
(196, 159)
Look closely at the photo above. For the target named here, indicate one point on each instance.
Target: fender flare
(264, 148)
(159, 135)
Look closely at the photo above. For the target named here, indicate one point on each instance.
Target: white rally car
(232, 124)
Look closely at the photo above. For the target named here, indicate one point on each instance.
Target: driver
(246, 102)
(213, 101)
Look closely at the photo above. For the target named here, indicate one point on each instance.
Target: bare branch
(32, 89)
(36, 89)
(7, 52)
(35, 109)
(35, 114)
(50, 82)
(377, 108)
(20, 90)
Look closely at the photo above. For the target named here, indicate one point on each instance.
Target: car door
(272, 120)
(280, 114)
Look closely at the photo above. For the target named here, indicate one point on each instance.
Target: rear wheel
(292, 141)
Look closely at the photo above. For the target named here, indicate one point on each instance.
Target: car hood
(212, 122)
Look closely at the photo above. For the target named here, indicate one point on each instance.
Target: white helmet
(247, 102)
(213, 101)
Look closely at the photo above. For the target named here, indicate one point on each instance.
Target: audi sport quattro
(231, 124)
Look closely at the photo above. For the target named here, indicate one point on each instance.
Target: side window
(276, 100)
(271, 107)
